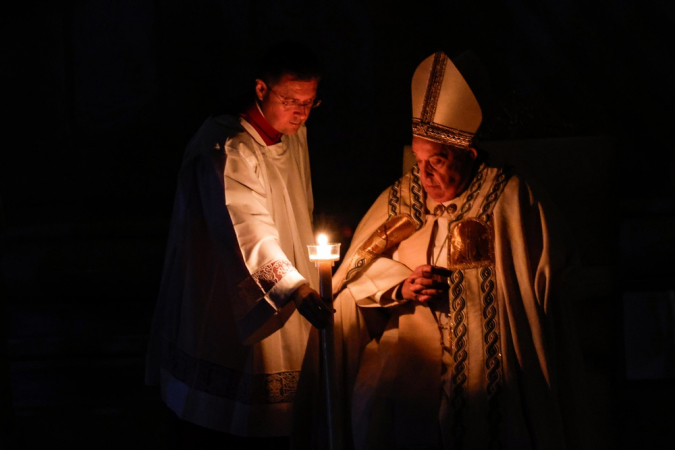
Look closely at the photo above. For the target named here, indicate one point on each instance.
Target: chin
(292, 129)
(434, 192)
(441, 197)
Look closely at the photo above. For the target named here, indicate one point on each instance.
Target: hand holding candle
(312, 307)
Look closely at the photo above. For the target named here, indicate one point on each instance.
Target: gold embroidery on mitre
(443, 134)
(434, 87)
(445, 110)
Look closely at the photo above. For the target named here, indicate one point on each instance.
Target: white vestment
(496, 366)
(227, 344)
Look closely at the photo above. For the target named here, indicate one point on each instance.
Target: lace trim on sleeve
(263, 280)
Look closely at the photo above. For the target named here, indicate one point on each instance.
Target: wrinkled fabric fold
(226, 344)
(515, 378)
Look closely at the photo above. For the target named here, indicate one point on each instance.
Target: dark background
(100, 98)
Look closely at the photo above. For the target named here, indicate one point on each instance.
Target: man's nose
(302, 111)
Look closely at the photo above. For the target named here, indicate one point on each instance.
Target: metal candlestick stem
(324, 256)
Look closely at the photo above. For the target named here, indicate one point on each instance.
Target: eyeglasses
(293, 103)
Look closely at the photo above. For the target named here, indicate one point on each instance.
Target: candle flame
(323, 251)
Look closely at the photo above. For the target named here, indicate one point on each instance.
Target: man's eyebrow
(438, 153)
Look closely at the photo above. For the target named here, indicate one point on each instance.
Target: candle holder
(328, 252)
(324, 252)
(324, 256)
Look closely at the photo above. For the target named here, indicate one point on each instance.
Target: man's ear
(473, 153)
(260, 89)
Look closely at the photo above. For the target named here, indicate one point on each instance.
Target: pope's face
(290, 117)
(444, 170)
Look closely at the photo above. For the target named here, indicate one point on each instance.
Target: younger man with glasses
(227, 343)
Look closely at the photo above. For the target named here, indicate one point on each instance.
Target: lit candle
(324, 256)
(324, 251)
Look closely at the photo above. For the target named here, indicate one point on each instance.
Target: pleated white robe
(227, 345)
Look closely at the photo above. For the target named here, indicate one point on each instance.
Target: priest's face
(444, 170)
(286, 105)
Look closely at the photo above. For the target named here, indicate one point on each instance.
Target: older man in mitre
(451, 304)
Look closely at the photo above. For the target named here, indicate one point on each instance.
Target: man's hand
(426, 283)
(311, 306)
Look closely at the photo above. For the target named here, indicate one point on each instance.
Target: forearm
(378, 284)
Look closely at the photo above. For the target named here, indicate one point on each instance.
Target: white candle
(324, 251)
(324, 256)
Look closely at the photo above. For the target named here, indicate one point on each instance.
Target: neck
(255, 117)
